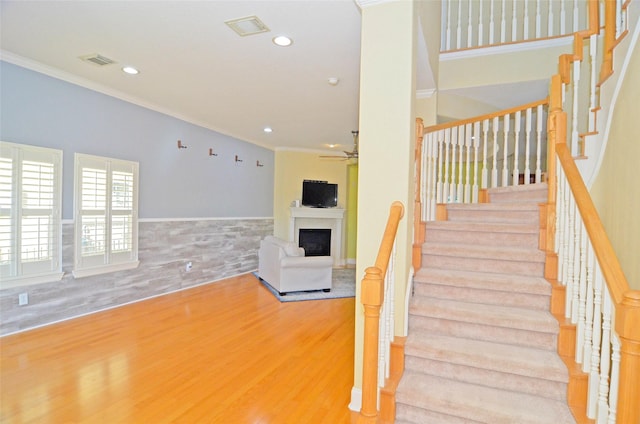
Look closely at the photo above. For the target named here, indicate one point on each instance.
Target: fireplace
(315, 241)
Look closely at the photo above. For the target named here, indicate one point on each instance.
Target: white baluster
(494, 170)
(480, 24)
(503, 22)
(425, 163)
(435, 158)
(582, 292)
(505, 150)
(470, 27)
(539, 121)
(615, 378)
(461, 143)
(570, 237)
(590, 306)
(550, 19)
(446, 177)
(440, 189)
(476, 144)
(593, 46)
(516, 149)
(574, 112)
(563, 17)
(452, 181)
(605, 360)
(525, 29)
(447, 4)
(459, 27)
(527, 146)
(492, 24)
(594, 373)
(467, 184)
(575, 273)
(576, 16)
(485, 142)
(514, 21)
(538, 20)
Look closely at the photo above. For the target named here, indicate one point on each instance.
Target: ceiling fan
(353, 154)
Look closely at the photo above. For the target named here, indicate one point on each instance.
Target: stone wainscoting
(217, 248)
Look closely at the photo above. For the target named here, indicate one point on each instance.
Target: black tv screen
(319, 194)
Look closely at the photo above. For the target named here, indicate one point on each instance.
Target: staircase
(482, 342)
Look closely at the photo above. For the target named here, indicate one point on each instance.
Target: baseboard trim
(356, 399)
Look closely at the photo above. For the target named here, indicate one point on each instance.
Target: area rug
(343, 281)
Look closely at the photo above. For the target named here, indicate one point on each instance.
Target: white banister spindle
(570, 247)
(467, 183)
(447, 42)
(476, 144)
(563, 16)
(539, 121)
(480, 24)
(503, 22)
(505, 150)
(514, 20)
(462, 144)
(423, 195)
(615, 378)
(452, 177)
(429, 169)
(485, 142)
(525, 28)
(470, 26)
(582, 293)
(516, 148)
(538, 20)
(575, 272)
(459, 26)
(550, 19)
(440, 184)
(590, 310)
(492, 24)
(527, 147)
(494, 169)
(605, 360)
(445, 178)
(576, 16)
(387, 321)
(574, 111)
(594, 373)
(593, 46)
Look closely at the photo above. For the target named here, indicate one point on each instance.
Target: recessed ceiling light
(130, 70)
(331, 145)
(268, 130)
(282, 41)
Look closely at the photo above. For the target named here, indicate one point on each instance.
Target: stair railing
(468, 24)
(598, 301)
(377, 299)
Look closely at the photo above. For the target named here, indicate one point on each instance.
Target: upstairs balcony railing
(468, 24)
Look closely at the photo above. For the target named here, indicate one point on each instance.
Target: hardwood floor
(227, 352)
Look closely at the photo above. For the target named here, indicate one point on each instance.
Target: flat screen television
(319, 194)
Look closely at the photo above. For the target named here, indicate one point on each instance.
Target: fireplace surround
(320, 218)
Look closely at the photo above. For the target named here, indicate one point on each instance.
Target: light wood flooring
(226, 352)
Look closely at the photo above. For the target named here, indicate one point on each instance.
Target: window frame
(20, 205)
(99, 171)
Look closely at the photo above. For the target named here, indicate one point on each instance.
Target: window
(30, 214)
(106, 215)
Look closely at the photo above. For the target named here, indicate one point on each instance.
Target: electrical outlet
(189, 266)
(23, 299)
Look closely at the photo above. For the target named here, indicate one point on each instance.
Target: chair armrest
(306, 262)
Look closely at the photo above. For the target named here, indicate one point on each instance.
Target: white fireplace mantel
(303, 217)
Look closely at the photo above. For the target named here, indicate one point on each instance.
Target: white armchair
(284, 267)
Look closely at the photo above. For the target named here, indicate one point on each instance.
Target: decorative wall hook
(211, 152)
(238, 159)
(258, 163)
(180, 145)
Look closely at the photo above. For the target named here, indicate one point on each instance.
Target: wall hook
(211, 152)
(258, 163)
(180, 145)
(238, 159)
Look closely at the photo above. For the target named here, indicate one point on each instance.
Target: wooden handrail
(372, 297)
(486, 116)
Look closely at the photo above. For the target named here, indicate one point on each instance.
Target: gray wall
(192, 207)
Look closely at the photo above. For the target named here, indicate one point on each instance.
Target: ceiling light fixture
(268, 130)
(130, 70)
(282, 41)
(333, 81)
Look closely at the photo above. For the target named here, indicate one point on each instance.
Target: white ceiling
(194, 67)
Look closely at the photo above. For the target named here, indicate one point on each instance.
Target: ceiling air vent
(97, 59)
(247, 26)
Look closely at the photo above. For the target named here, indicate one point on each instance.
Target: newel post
(372, 296)
(628, 329)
